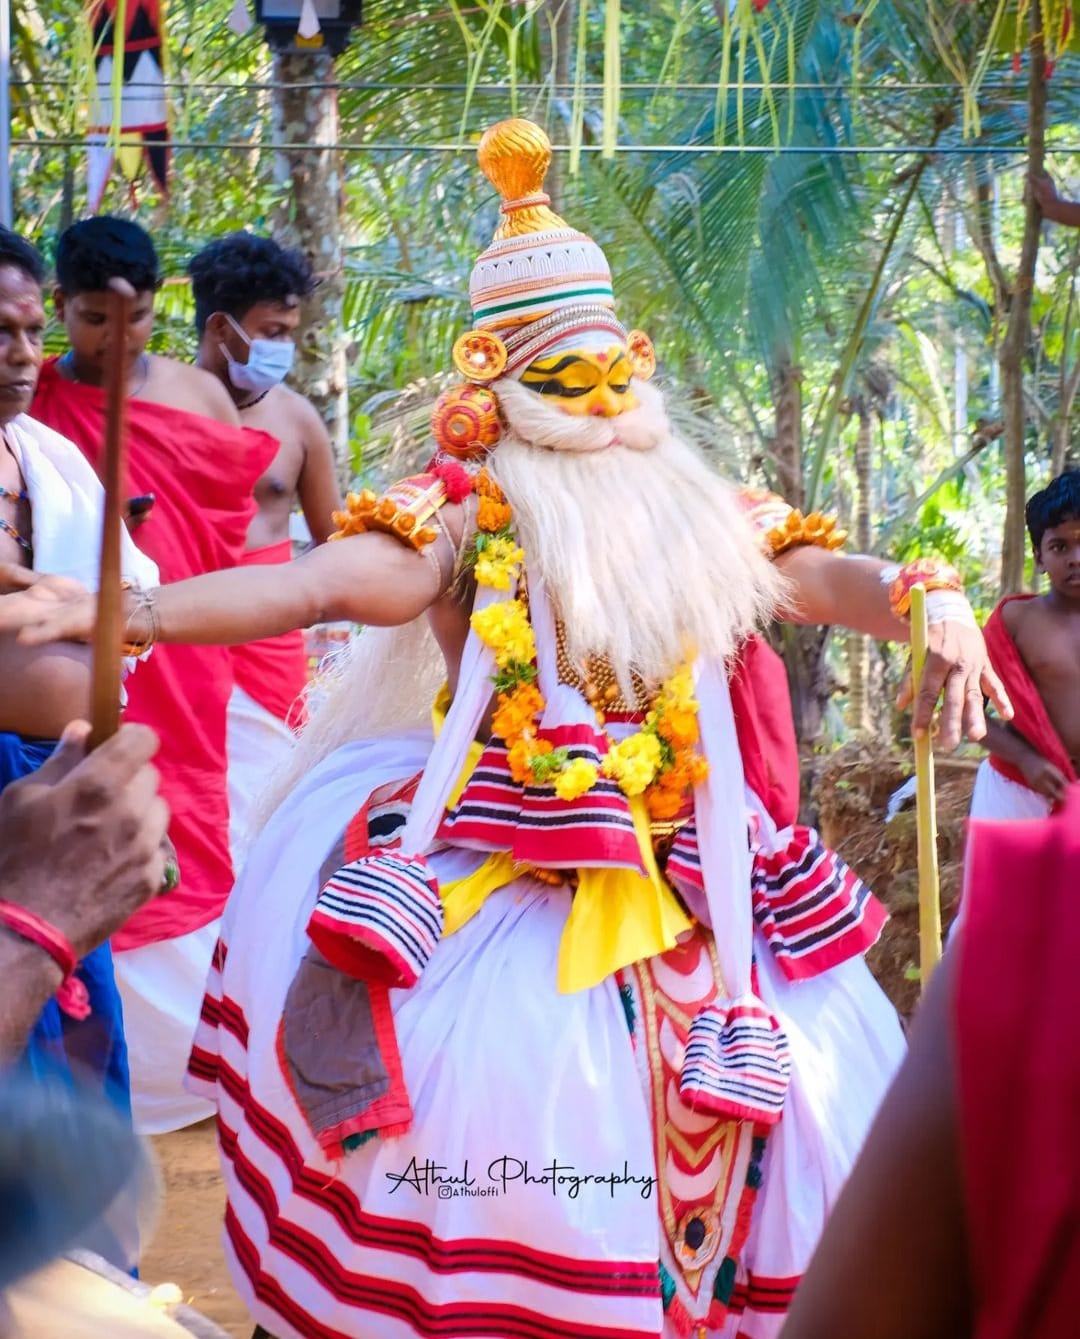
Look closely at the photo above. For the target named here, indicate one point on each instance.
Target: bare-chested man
(1034, 642)
(50, 518)
(188, 451)
(248, 292)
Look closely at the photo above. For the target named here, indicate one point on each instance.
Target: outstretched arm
(369, 578)
(834, 588)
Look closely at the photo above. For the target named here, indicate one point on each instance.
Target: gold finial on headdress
(514, 156)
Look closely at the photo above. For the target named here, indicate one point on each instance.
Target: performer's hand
(43, 608)
(957, 666)
(1042, 776)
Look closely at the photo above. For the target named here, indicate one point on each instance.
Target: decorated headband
(540, 284)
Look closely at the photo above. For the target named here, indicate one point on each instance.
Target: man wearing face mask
(187, 449)
(248, 292)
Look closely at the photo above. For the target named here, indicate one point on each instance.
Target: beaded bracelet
(72, 997)
(930, 573)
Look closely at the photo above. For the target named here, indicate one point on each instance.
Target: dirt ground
(851, 791)
(186, 1249)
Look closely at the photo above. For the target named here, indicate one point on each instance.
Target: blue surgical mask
(269, 362)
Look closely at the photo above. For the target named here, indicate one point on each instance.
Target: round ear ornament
(642, 355)
(479, 355)
(465, 421)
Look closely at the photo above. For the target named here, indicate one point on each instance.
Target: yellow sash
(617, 916)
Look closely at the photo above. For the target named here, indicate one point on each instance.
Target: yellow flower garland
(660, 761)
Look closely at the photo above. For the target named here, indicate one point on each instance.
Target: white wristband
(949, 606)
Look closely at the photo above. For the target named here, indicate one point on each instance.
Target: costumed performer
(190, 458)
(534, 1013)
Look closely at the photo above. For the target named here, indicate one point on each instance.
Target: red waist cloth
(201, 474)
(274, 671)
(1030, 715)
(1018, 1067)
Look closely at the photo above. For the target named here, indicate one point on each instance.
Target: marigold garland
(659, 761)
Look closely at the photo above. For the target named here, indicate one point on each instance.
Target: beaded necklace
(6, 526)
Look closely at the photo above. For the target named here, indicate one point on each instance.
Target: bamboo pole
(925, 808)
(108, 629)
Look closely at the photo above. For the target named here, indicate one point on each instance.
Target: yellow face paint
(584, 381)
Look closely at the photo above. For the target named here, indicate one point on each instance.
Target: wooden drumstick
(108, 630)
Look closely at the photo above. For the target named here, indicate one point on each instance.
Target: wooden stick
(925, 808)
(109, 629)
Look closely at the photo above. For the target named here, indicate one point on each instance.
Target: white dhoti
(998, 797)
(438, 1231)
(162, 986)
(258, 743)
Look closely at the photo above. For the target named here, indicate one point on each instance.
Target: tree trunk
(858, 645)
(557, 35)
(309, 216)
(803, 648)
(787, 402)
(809, 680)
(1018, 331)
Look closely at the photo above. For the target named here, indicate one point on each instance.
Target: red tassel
(1049, 68)
(454, 479)
(759, 5)
(681, 1320)
(1017, 61)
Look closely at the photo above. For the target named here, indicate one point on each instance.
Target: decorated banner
(128, 118)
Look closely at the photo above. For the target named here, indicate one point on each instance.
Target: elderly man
(50, 517)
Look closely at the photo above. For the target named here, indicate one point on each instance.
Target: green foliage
(794, 222)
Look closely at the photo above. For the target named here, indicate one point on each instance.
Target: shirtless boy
(1034, 643)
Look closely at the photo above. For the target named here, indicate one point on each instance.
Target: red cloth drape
(275, 670)
(201, 474)
(1018, 1066)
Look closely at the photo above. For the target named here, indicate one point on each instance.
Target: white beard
(642, 548)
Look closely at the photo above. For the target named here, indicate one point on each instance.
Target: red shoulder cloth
(1016, 1002)
(761, 702)
(1030, 718)
(201, 473)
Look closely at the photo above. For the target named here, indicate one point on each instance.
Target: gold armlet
(796, 530)
(403, 511)
(780, 527)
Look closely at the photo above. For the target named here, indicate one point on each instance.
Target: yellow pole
(925, 809)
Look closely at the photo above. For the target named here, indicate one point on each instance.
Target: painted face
(86, 316)
(22, 328)
(1059, 557)
(584, 381)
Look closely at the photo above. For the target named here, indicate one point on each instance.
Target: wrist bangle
(930, 573)
(72, 996)
(144, 600)
(949, 606)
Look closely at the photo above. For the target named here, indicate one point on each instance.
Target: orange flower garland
(660, 761)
